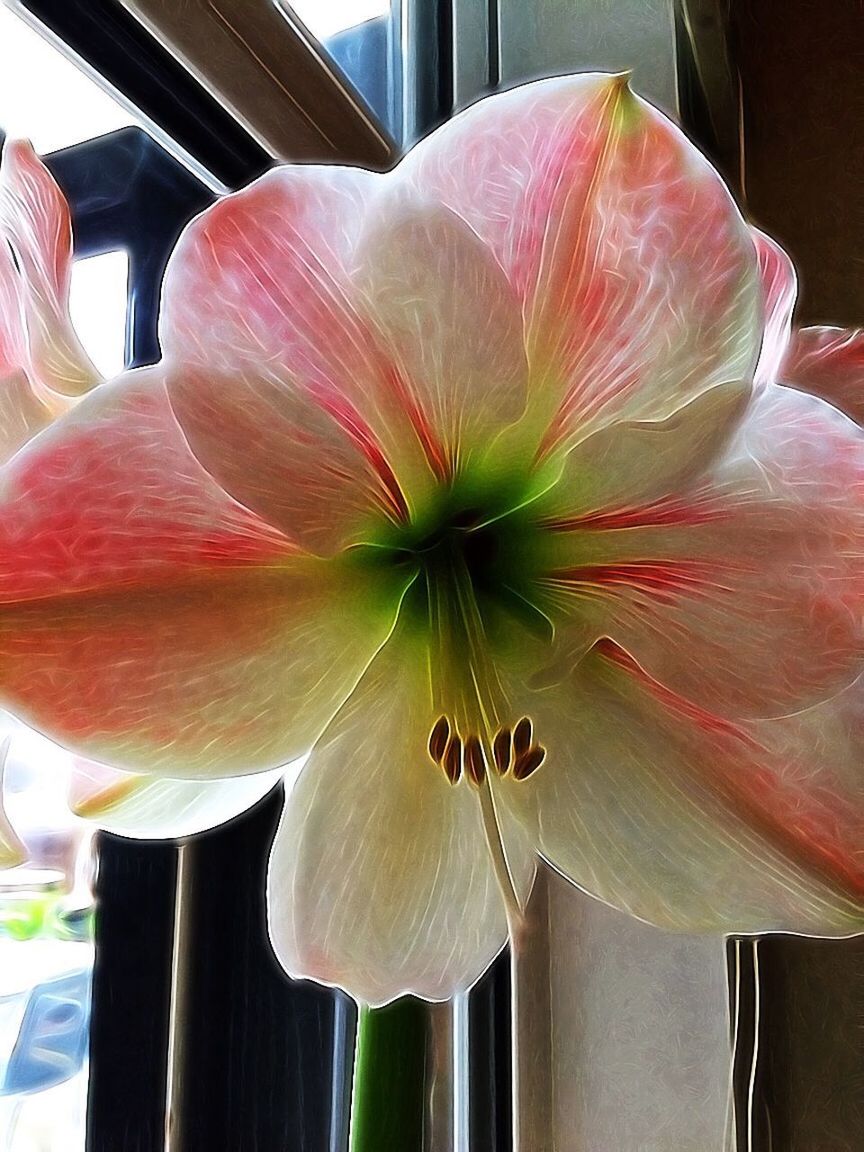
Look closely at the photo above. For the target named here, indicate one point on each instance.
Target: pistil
(463, 674)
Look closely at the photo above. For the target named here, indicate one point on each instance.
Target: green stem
(389, 1099)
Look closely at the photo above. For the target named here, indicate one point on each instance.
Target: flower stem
(391, 1072)
(533, 1102)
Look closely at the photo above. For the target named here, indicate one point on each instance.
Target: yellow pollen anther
(529, 762)
(451, 761)
(523, 737)
(502, 751)
(475, 761)
(438, 738)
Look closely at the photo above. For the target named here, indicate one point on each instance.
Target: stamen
(529, 762)
(438, 738)
(502, 751)
(475, 761)
(452, 760)
(523, 736)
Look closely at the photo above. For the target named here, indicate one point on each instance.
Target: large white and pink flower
(474, 480)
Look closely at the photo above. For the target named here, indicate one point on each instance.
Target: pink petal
(675, 815)
(149, 621)
(12, 336)
(258, 296)
(779, 291)
(637, 274)
(314, 469)
(743, 591)
(829, 362)
(35, 231)
(34, 220)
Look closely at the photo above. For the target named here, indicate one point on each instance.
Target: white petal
(380, 880)
(633, 462)
(779, 290)
(12, 851)
(151, 807)
(689, 822)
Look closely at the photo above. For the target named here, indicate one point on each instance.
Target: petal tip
(620, 81)
(624, 105)
(17, 155)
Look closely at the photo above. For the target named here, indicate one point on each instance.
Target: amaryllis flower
(472, 478)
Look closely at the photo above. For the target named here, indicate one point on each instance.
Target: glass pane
(325, 18)
(46, 943)
(98, 308)
(46, 954)
(44, 96)
(356, 34)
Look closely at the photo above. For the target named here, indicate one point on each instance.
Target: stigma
(510, 751)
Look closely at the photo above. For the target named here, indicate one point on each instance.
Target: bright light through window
(46, 950)
(324, 18)
(45, 97)
(98, 307)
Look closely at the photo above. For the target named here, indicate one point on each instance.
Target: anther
(502, 749)
(529, 762)
(438, 738)
(475, 761)
(523, 737)
(451, 761)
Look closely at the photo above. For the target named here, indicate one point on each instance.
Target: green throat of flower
(473, 596)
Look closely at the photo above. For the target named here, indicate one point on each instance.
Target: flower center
(472, 548)
(473, 552)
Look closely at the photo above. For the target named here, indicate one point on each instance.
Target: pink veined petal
(452, 320)
(380, 880)
(151, 807)
(35, 222)
(673, 814)
(829, 362)
(258, 301)
(314, 469)
(148, 620)
(743, 591)
(28, 196)
(779, 291)
(637, 274)
(12, 343)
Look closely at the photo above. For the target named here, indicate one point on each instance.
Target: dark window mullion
(258, 1060)
(131, 995)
